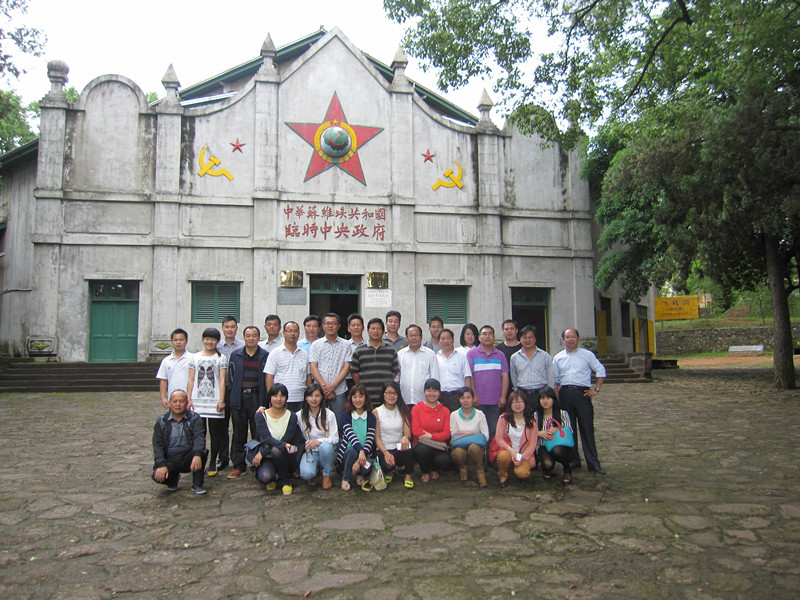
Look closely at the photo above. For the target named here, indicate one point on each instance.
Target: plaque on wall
(292, 296)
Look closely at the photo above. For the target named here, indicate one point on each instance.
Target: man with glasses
(574, 366)
(330, 363)
(490, 376)
(417, 365)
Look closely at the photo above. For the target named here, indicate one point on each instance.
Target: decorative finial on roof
(171, 84)
(268, 54)
(484, 108)
(399, 63)
(57, 71)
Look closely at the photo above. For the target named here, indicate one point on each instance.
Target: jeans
(350, 458)
(312, 460)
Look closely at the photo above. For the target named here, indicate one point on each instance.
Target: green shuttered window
(448, 302)
(213, 301)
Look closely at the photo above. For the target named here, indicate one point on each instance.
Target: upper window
(448, 302)
(213, 301)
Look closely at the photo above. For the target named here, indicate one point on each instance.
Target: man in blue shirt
(574, 366)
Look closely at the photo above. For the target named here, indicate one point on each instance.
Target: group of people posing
(371, 408)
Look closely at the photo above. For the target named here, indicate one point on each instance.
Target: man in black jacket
(247, 393)
(179, 445)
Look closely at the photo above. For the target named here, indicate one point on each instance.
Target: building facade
(310, 179)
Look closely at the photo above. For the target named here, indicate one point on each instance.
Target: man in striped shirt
(489, 376)
(375, 362)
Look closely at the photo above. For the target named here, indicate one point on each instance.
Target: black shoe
(172, 488)
(504, 483)
(222, 464)
(567, 478)
(199, 490)
(597, 469)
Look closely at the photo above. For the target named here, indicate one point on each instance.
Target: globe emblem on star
(336, 142)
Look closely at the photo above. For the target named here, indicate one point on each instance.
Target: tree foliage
(698, 162)
(16, 38)
(14, 127)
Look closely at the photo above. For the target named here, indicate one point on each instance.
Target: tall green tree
(14, 127)
(704, 97)
(16, 37)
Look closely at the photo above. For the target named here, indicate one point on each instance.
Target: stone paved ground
(701, 501)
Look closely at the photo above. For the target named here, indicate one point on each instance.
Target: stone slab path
(701, 501)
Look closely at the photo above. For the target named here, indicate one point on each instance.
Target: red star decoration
(428, 156)
(237, 145)
(320, 161)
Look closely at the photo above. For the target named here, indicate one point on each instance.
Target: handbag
(562, 437)
(252, 448)
(466, 440)
(376, 477)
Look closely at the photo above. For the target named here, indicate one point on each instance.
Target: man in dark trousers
(179, 445)
(248, 392)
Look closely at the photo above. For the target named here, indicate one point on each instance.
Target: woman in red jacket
(430, 426)
(516, 439)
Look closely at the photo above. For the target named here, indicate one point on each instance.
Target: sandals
(366, 486)
(345, 485)
(434, 475)
(409, 483)
(425, 478)
(567, 478)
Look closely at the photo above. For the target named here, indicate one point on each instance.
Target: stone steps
(29, 376)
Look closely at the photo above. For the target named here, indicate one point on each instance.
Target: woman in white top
(319, 428)
(469, 435)
(206, 391)
(393, 433)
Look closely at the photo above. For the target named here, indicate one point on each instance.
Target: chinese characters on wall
(324, 223)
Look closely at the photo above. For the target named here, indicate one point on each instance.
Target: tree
(14, 127)
(22, 38)
(704, 96)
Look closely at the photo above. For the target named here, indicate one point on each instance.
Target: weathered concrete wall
(689, 341)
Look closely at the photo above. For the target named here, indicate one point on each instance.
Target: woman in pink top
(516, 439)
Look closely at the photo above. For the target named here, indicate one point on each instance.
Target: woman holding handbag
(515, 439)
(430, 424)
(469, 434)
(551, 421)
(393, 433)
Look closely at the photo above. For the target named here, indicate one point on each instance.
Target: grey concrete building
(309, 179)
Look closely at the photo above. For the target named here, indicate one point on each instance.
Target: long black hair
(474, 329)
(527, 412)
(213, 333)
(405, 412)
(321, 419)
(548, 392)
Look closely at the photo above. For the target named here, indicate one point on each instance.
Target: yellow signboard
(677, 307)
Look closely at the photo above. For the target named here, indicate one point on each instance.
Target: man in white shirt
(454, 371)
(330, 363)
(417, 365)
(288, 364)
(174, 369)
(272, 325)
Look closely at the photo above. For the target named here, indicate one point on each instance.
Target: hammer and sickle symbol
(213, 161)
(454, 180)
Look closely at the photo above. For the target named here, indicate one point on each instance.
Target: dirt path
(695, 505)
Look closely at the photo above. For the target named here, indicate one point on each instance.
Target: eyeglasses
(390, 393)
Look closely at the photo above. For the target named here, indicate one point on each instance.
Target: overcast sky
(200, 38)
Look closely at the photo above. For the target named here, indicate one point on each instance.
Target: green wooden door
(113, 321)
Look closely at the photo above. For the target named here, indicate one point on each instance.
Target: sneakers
(272, 485)
(172, 488)
(327, 483)
(235, 473)
(199, 490)
(287, 490)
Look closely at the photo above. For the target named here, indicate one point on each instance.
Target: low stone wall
(690, 341)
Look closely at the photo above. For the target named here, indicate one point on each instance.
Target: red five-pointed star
(237, 145)
(428, 156)
(338, 147)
